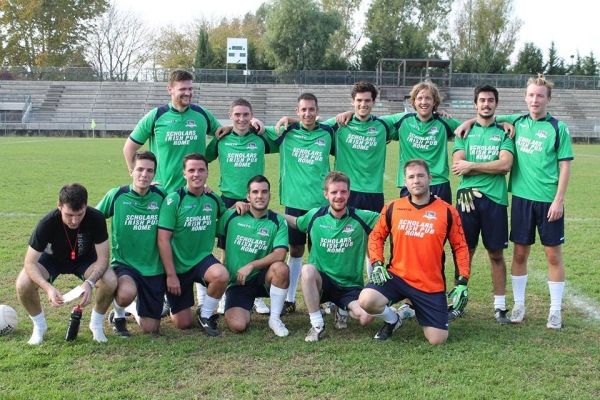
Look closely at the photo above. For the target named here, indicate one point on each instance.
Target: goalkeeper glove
(465, 198)
(380, 274)
(459, 296)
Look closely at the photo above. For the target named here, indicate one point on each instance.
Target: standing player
(134, 211)
(338, 235)
(256, 244)
(481, 160)
(304, 149)
(187, 225)
(69, 240)
(419, 226)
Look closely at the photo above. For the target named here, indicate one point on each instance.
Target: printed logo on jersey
(495, 138)
(263, 232)
(189, 206)
(372, 130)
(169, 202)
(430, 215)
(171, 121)
(251, 146)
(207, 208)
(190, 123)
(153, 206)
(541, 134)
(433, 131)
(320, 142)
(325, 226)
(243, 225)
(348, 229)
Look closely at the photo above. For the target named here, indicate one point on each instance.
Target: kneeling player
(134, 210)
(256, 244)
(338, 237)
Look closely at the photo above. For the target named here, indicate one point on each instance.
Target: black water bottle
(73, 328)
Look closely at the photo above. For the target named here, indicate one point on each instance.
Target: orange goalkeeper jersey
(417, 243)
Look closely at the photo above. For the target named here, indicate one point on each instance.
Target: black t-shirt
(50, 236)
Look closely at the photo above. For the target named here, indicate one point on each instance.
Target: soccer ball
(8, 319)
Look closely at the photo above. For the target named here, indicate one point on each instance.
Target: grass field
(481, 360)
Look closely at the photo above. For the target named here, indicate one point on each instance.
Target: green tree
(298, 35)
(175, 47)
(403, 29)
(42, 33)
(344, 42)
(483, 36)
(555, 64)
(530, 60)
(576, 67)
(203, 53)
(589, 64)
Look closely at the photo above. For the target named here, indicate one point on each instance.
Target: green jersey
(483, 144)
(303, 164)
(240, 159)
(193, 221)
(539, 146)
(248, 239)
(427, 140)
(338, 246)
(360, 149)
(133, 228)
(173, 135)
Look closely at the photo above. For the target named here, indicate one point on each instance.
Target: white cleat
(518, 314)
(98, 334)
(260, 307)
(554, 320)
(278, 327)
(37, 337)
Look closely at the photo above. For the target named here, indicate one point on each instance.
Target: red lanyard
(74, 245)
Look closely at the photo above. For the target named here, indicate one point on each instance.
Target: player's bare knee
(108, 282)
(236, 324)
(24, 284)
(309, 273)
(496, 257)
(150, 325)
(436, 337)
(281, 275)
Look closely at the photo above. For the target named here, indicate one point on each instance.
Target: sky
(570, 24)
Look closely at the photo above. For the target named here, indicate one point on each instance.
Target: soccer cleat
(260, 307)
(328, 308)
(340, 318)
(387, 330)
(315, 334)
(554, 320)
(406, 312)
(289, 307)
(120, 327)
(278, 327)
(501, 316)
(518, 314)
(166, 310)
(209, 325)
(453, 314)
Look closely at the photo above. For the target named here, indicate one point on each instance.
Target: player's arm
(33, 271)
(556, 209)
(129, 150)
(97, 270)
(460, 165)
(163, 241)
(276, 255)
(285, 121)
(291, 221)
(459, 246)
(344, 118)
(377, 238)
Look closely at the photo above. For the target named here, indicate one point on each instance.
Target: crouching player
(419, 226)
(256, 244)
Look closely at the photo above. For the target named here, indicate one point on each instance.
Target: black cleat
(120, 327)
(289, 307)
(501, 316)
(387, 330)
(209, 325)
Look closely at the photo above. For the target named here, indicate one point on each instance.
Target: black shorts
(296, 238)
(431, 309)
(186, 281)
(489, 218)
(55, 269)
(341, 296)
(441, 190)
(366, 201)
(150, 291)
(243, 295)
(526, 215)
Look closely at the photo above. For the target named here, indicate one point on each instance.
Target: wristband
(91, 283)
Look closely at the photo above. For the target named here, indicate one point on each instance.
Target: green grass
(480, 360)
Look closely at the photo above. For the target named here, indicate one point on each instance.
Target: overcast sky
(570, 24)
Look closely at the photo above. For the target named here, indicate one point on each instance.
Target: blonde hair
(541, 81)
(433, 89)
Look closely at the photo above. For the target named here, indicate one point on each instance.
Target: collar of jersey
(333, 216)
(173, 109)
(432, 198)
(371, 118)
(546, 118)
(187, 191)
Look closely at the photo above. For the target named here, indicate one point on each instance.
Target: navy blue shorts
(366, 201)
(186, 281)
(243, 295)
(341, 296)
(55, 269)
(441, 190)
(150, 291)
(490, 219)
(296, 238)
(431, 309)
(526, 215)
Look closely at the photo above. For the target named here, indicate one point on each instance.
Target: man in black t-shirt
(69, 240)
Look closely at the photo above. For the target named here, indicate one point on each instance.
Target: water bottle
(73, 327)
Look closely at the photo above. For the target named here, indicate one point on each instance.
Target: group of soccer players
(164, 223)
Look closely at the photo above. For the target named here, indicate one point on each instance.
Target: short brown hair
(308, 96)
(418, 162)
(336, 176)
(541, 81)
(74, 195)
(433, 89)
(363, 87)
(195, 156)
(240, 102)
(180, 75)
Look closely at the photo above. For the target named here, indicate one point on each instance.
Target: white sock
(316, 319)
(518, 286)
(132, 309)
(295, 264)
(500, 302)
(200, 293)
(39, 329)
(277, 296)
(119, 311)
(97, 327)
(556, 295)
(388, 315)
(368, 266)
(208, 306)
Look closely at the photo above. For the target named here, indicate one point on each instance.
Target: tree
(344, 41)
(297, 36)
(555, 64)
(483, 36)
(403, 29)
(175, 47)
(576, 68)
(589, 65)
(41, 33)
(203, 50)
(119, 45)
(530, 60)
